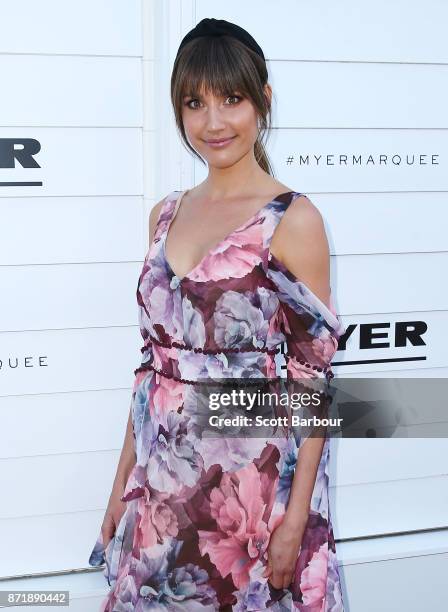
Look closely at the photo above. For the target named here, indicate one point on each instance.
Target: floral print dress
(199, 513)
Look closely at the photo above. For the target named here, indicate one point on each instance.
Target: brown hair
(222, 65)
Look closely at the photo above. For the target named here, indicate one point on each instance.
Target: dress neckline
(210, 251)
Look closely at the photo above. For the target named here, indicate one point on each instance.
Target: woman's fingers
(287, 579)
(277, 579)
(107, 530)
(266, 572)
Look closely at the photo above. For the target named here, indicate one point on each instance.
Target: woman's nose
(214, 118)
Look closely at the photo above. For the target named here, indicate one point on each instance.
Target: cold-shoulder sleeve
(311, 332)
(310, 328)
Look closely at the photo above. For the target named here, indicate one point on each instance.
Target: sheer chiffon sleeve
(311, 331)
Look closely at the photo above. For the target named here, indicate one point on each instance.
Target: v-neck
(201, 262)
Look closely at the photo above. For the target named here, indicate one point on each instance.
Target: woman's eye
(189, 103)
(192, 103)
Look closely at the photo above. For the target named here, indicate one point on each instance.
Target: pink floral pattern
(200, 512)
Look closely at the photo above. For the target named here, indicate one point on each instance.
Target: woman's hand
(114, 511)
(283, 550)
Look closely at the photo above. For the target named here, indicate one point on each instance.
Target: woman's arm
(296, 515)
(307, 254)
(115, 506)
(127, 458)
(127, 461)
(301, 244)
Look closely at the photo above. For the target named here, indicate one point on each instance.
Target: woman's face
(231, 120)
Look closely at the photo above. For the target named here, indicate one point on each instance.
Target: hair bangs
(214, 66)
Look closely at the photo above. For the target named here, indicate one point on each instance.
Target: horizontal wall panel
(102, 27)
(386, 467)
(377, 95)
(385, 283)
(392, 547)
(81, 295)
(59, 361)
(72, 230)
(363, 223)
(396, 585)
(82, 421)
(72, 482)
(64, 541)
(418, 544)
(348, 30)
(74, 162)
(388, 507)
(338, 160)
(71, 91)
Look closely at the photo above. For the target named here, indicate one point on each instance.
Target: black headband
(221, 27)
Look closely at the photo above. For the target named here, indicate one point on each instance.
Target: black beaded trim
(211, 351)
(327, 370)
(149, 366)
(308, 365)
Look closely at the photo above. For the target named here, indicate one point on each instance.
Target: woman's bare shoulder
(300, 243)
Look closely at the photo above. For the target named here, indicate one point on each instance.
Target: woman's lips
(219, 143)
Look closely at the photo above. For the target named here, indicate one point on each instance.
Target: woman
(237, 266)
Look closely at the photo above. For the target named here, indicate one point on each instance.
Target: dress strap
(178, 201)
(277, 210)
(167, 212)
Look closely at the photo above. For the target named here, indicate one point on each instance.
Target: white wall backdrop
(71, 246)
(360, 92)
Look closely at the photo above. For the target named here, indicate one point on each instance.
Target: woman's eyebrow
(198, 96)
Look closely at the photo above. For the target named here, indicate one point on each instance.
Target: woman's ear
(268, 93)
